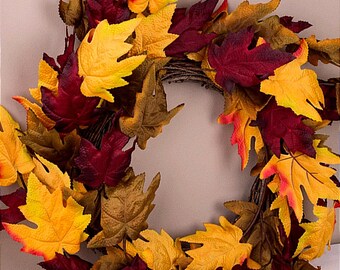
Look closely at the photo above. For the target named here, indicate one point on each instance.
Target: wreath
(98, 103)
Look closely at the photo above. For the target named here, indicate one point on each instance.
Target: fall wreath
(73, 161)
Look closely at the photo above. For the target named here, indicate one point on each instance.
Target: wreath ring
(75, 157)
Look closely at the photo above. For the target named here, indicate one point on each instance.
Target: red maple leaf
(188, 25)
(296, 27)
(115, 11)
(106, 165)
(69, 108)
(278, 123)
(69, 262)
(234, 62)
(136, 264)
(12, 214)
(330, 110)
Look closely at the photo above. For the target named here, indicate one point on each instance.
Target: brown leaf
(114, 260)
(71, 11)
(48, 144)
(325, 50)
(304, 265)
(245, 210)
(125, 209)
(150, 111)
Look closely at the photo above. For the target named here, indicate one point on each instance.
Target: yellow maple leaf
(98, 56)
(59, 227)
(48, 78)
(161, 252)
(14, 157)
(317, 234)
(221, 247)
(295, 170)
(240, 109)
(138, 6)
(293, 87)
(281, 203)
(146, 39)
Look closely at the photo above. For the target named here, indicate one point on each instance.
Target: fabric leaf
(125, 210)
(138, 6)
(147, 41)
(59, 227)
(317, 234)
(69, 262)
(221, 247)
(329, 46)
(98, 58)
(295, 170)
(14, 157)
(150, 113)
(296, 27)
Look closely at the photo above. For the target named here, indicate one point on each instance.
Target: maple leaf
(235, 63)
(275, 33)
(331, 47)
(14, 157)
(295, 170)
(278, 123)
(59, 227)
(125, 209)
(159, 252)
(106, 165)
(69, 108)
(138, 6)
(331, 110)
(113, 11)
(69, 262)
(243, 16)
(98, 56)
(188, 25)
(221, 247)
(292, 87)
(296, 27)
(147, 41)
(317, 234)
(150, 113)
(12, 214)
(49, 144)
(136, 264)
(241, 108)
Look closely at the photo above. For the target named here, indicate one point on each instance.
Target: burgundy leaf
(296, 27)
(278, 123)
(188, 25)
(69, 262)
(106, 165)
(330, 111)
(115, 11)
(235, 63)
(12, 214)
(136, 264)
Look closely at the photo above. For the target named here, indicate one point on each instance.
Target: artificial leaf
(329, 46)
(48, 144)
(241, 108)
(235, 63)
(63, 262)
(243, 16)
(106, 165)
(221, 247)
(136, 264)
(12, 214)
(278, 123)
(69, 108)
(293, 86)
(150, 113)
(37, 110)
(138, 6)
(245, 210)
(303, 265)
(317, 234)
(188, 25)
(331, 92)
(115, 259)
(295, 170)
(296, 27)
(59, 227)
(113, 11)
(159, 252)
(98, 56)
(125, 209)
(281, 203)
(275, 33)
(14, 157)
(147, 41)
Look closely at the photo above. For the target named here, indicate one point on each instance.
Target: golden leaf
(98, 56)
(59, 227)
(329, 46)
(138, 6)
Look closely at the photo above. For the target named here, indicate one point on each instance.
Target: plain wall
(200, 169)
